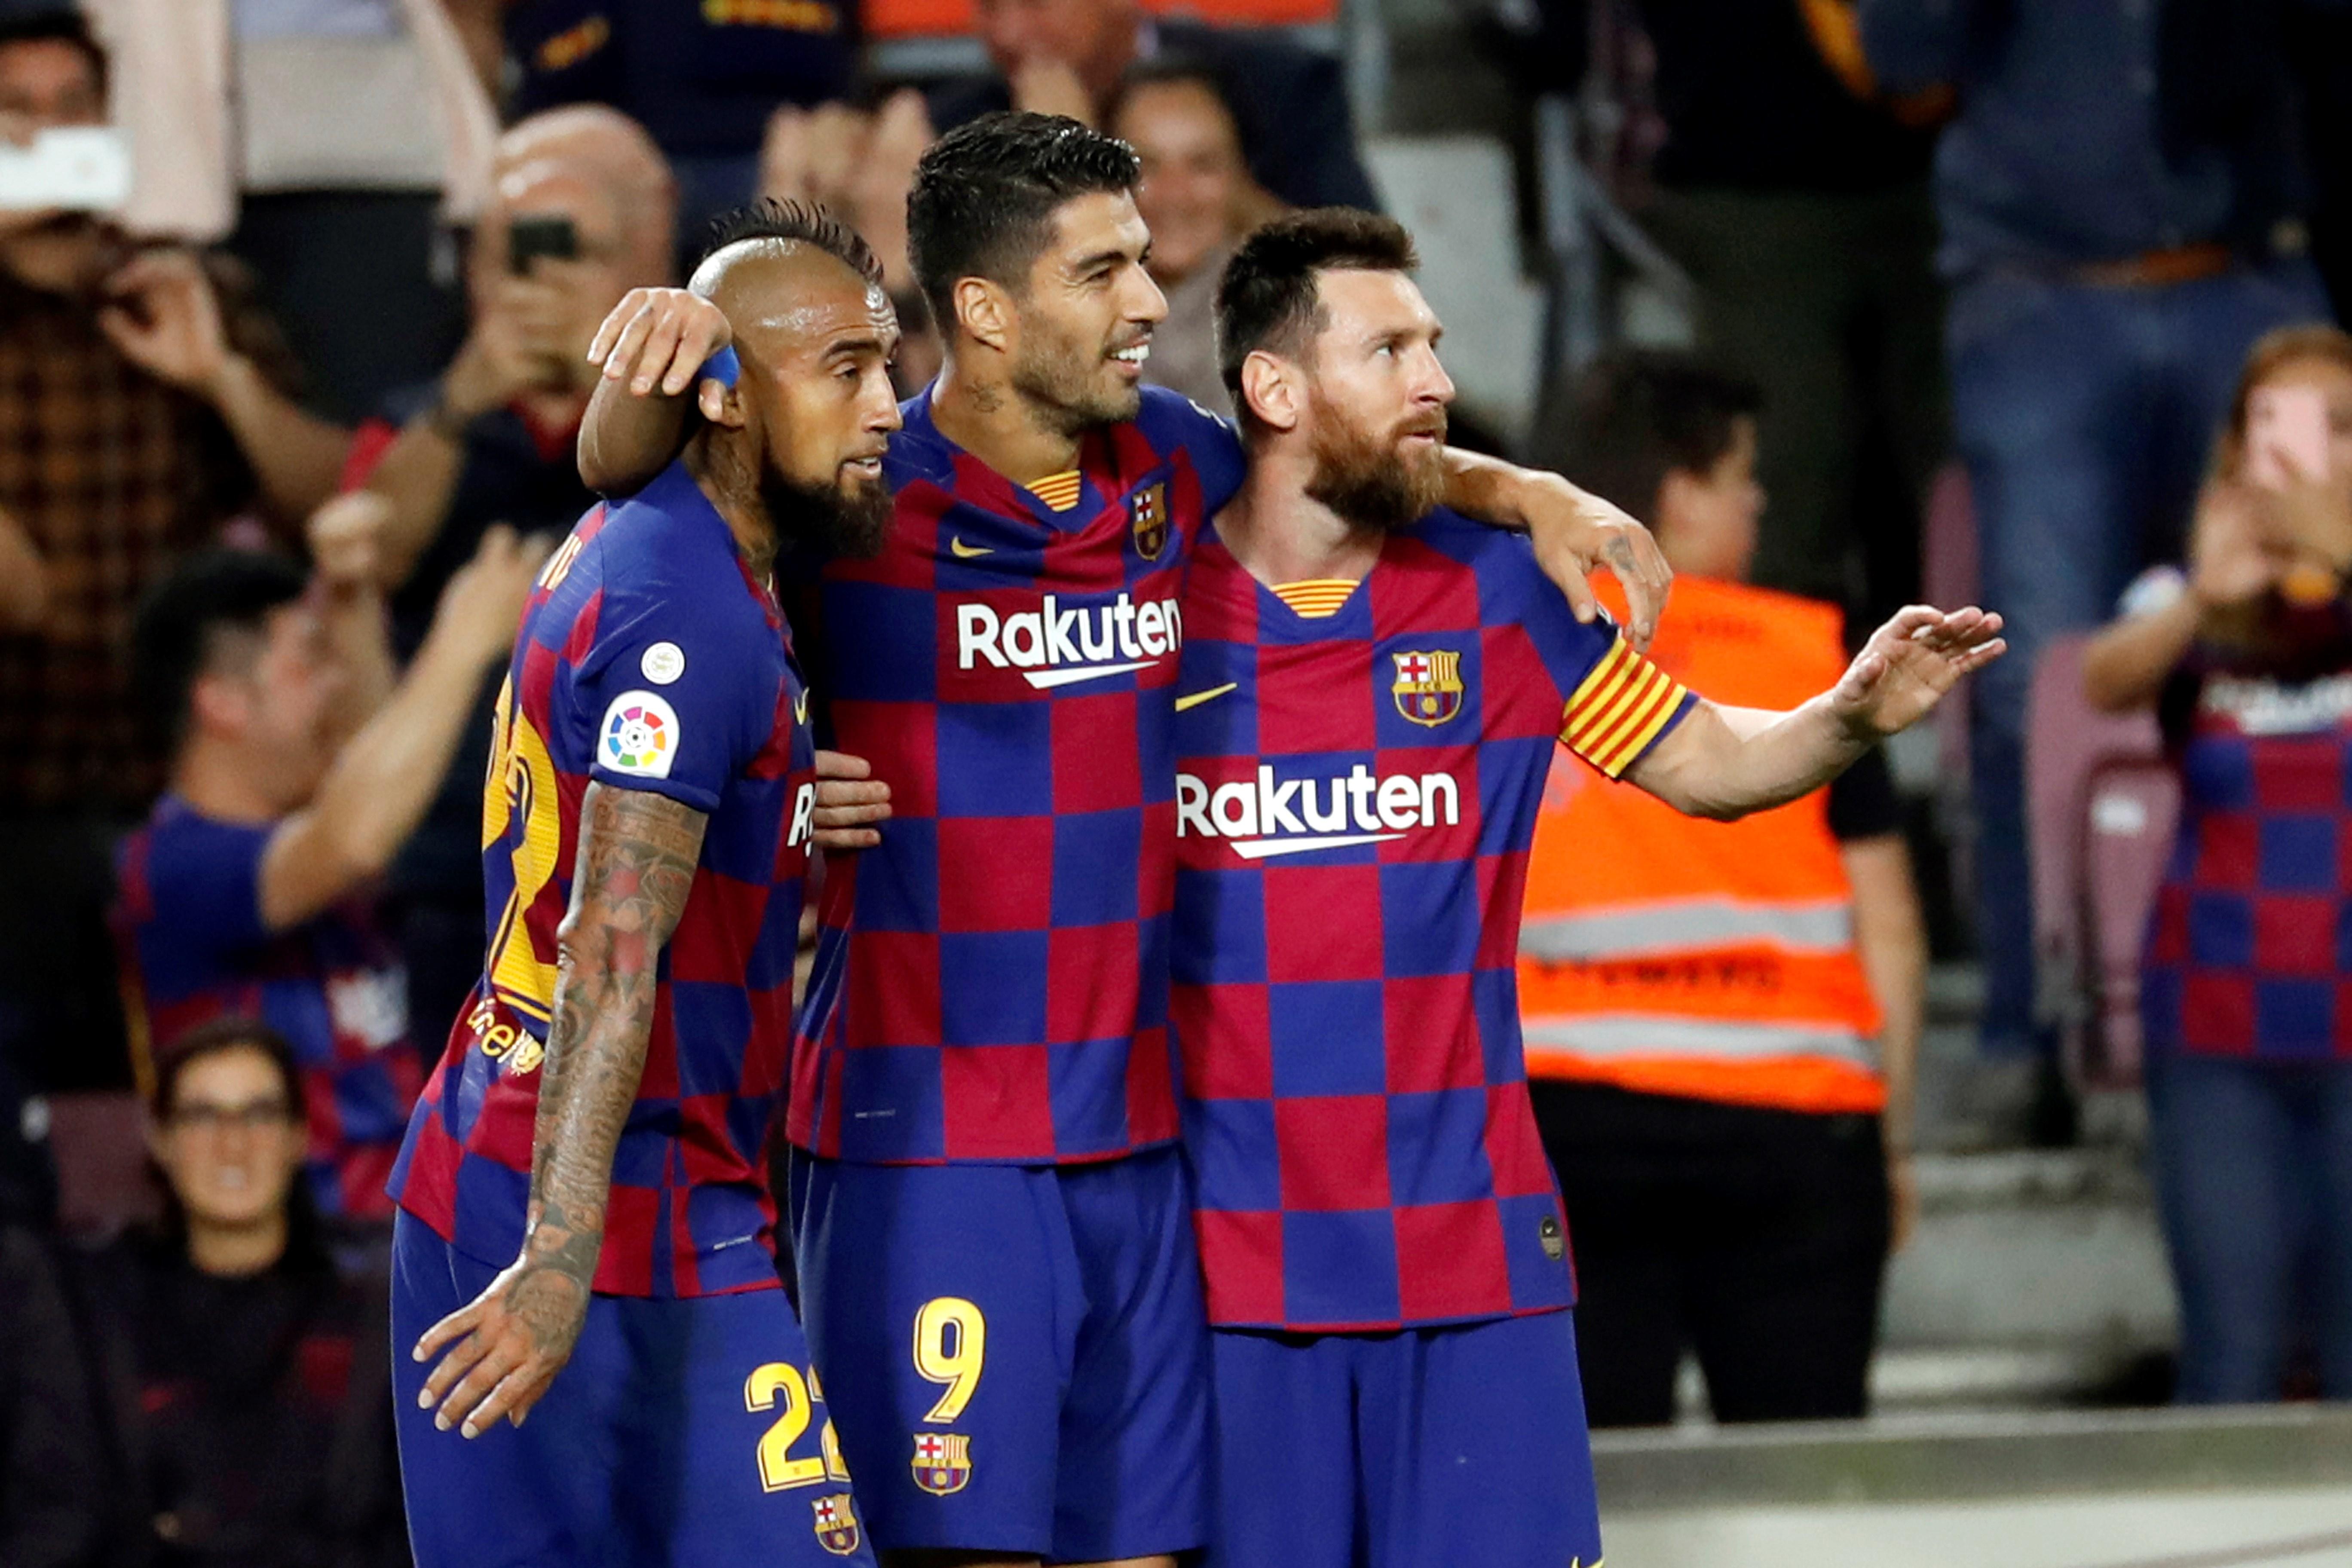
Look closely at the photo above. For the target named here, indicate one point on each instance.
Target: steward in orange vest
(1714, 1012)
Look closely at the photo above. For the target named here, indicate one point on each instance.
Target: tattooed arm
(637, 855)
(1575, 533)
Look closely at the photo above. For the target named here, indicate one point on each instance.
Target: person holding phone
(2246, 984)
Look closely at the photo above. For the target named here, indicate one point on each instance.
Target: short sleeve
(679, 693)
(205, 879)
(1172, 421)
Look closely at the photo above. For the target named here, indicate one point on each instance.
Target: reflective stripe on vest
(1684, 924)
(1641, 1035)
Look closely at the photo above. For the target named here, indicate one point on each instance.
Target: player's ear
(720, 403)
(984, 311)
(1273, 389)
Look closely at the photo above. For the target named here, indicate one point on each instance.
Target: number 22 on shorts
(950, 1343)
(781, 1380)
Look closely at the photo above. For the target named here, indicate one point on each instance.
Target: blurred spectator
(141, 407)
(1199, 201)
(51, 1468)
(1795, 194)
(1721, 1018)
(1067, 57)
(325, 141)
(491, 442)
(2120, 209)
(297, 769)
(2247, 660)
(702, 78)
(243, 1382)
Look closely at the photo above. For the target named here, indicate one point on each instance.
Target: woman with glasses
(242, 1376)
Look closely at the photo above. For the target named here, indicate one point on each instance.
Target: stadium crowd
(286, 435)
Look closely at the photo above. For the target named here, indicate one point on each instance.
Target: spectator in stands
(491, 443)
(243, 1382)
(1199, 200)
(702, 78)
(328, 145)
(141, 407)
(50, 1468)
(298, 769)
(1721, 1019)
(1794, 192)
(2247, 660)
(2121, 220)
(1069, 56)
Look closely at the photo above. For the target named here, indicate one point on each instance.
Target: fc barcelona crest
(1428, 687)
(1147, 514)
(942, 1462)
(836, 1524)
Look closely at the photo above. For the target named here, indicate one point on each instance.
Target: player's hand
(849, 802)
(1575, 533)
(162, 315)
(483, 604)
(658, 337)
(1909, 663)
(504, 1347)
(347, 539)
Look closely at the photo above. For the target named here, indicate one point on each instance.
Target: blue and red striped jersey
(648, 660)
(1355, 798)
(195, 948)
(990, 984)
(2250, 947)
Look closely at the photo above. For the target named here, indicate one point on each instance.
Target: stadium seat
(2069, 744)
(98, 1143)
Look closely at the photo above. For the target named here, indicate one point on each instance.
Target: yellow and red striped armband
(1619, 708)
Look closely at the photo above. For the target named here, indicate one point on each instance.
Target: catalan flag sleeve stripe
(1625, 703)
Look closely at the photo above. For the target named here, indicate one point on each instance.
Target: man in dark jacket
(51, 1511)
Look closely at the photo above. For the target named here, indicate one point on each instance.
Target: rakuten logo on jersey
(1059, 645)
(1267, 816)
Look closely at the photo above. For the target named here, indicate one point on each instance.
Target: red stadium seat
(2069, 744)
(98, 1143)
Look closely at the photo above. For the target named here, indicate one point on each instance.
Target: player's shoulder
(1500, 558)
(917, 450)
(1172, 421)
(668, 545)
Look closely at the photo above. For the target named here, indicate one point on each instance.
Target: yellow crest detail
(1428, 687)
(942, 1462)
(1147, 515)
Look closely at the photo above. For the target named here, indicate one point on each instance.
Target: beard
(1065, 382)
(1368, 479)
(841, 522)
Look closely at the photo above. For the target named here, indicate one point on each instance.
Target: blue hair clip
(721, 367)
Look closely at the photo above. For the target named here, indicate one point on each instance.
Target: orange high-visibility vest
(1716, 960)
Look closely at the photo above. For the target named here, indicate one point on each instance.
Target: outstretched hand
(1910, 663)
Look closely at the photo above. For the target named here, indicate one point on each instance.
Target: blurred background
(1960, 1167)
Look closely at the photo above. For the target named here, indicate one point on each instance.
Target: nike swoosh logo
(799, 707)
(1195, 699)
(1046, 679)
(1259, 849)
(957, 545)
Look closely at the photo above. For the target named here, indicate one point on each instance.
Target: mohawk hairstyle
(984, 196)
(1269, 297)
(802, 223)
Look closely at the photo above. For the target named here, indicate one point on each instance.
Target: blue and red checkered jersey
(1355, 797)
(992, 983)
(2250, 947)
(649, 660)
(194, 947)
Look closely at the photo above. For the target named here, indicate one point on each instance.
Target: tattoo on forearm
(637, 855)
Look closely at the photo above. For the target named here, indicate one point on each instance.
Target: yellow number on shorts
(778, 1469)
(950, 1342)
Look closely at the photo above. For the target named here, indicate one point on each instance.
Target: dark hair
(56, 24)
(803, 223)
(1643, 413)
(305, 1241)
(986, 193)
(1270, 296)
(183, 619)
(1172, 68)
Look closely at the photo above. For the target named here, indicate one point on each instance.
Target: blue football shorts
(685, 1431)
(1427, 1449)
(1028, 1351)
